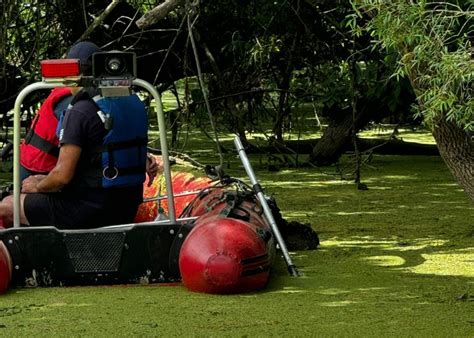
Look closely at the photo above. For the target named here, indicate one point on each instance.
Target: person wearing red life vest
(40, 149)
(64, 196)
(81, 190)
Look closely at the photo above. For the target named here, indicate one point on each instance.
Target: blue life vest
(121, 159)
(124, 152)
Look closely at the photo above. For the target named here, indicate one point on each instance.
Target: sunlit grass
(455, 262)
(297, 185)
(399, 177)
(385, 244)
(343, 213)
(290, 290)
(385, 260)
(447, 263)
(332, 291)
(407, 135)
(337, 303)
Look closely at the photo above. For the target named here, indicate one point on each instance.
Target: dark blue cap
(83, 51)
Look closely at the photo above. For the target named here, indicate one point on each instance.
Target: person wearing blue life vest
(98, 178)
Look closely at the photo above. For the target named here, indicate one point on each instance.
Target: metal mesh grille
(95, 252)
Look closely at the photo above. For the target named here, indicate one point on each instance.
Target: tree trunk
(378, 146)
(229, 102)
(456, 147)
(333, 142)
(338, 134)
(284, 109)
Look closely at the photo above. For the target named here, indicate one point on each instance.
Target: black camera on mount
(113, 72)
(112, 68)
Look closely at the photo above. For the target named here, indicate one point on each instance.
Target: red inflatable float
(182, 182)
(225, 255)
(5, 268)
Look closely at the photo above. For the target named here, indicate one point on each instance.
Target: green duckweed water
(395, 260)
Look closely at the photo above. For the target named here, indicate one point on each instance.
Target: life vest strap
(111, 173)
(138, 142)
(130, 170)
(42, 144)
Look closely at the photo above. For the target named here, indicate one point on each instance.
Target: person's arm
(61, 174)
(152, 168)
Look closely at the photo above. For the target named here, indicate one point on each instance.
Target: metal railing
(67, 83)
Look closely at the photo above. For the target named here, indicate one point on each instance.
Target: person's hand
(152, 168)
(30, 184)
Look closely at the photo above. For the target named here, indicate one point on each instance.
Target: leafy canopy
(433, 41)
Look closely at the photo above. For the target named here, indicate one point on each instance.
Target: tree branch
(157, 13)
(99, 19)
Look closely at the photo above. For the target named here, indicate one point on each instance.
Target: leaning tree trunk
(332, 143)
(456, 147)
(338, 134)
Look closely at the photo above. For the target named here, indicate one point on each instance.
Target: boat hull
(47, 256)
(224, 246)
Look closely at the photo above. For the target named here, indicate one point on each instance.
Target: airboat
(223, 241)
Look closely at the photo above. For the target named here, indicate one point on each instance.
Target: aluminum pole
(163, 144)
(16, 143)
(257, 188)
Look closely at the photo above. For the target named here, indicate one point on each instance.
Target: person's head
(83, 51)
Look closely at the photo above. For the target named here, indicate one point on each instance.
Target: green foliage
(270, 56)
(29, 29)
(334, 85)
(262, 51)
(433, 41)
(143, 5)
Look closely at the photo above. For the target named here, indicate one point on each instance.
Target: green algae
(395, 260)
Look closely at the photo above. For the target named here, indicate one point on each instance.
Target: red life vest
(40, 149)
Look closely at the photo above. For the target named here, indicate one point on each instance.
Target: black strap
(142, 141)
(131, 170)
(84, 94)
(43, 145)
(111, 173)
